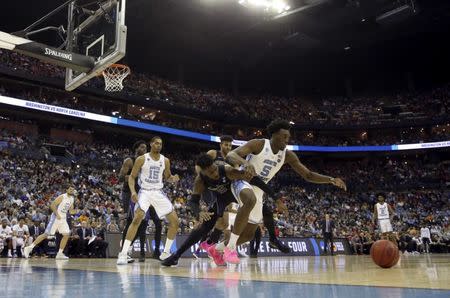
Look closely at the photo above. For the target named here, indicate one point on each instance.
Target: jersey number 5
(266, 170)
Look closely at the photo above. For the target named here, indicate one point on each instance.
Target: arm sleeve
(256, 181)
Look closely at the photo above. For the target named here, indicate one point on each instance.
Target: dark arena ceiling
(212, 41)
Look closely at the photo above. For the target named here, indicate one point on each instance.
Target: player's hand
(173, 179)
(339, 183)
(205, 216)
(134, 197)
(248, 176)
(281, 207)
(250, 169)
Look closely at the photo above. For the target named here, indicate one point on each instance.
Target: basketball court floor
(340, 276)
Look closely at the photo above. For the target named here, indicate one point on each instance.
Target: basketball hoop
(114, 76)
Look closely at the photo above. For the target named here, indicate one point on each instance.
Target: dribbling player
(58, 222)
(152, 168)
(264, 158)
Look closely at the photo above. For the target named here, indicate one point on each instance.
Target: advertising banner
(299, 246)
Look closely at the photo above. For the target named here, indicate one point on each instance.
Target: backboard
(95, 29)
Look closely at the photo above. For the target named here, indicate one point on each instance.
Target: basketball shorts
(57, 225)
(156, 198)
(256, 215)
(221, 203)
(209, 197)
(385, 225)
(426, 240)
(19, 241)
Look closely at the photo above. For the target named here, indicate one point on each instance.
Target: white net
(114, 76)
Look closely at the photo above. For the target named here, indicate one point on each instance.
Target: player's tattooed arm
(310, 176)
(126, 167)
(194, 202)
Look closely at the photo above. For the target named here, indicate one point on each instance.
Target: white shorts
(231, 219)
(385, 225)
(156, 198)
(57, 225)
(18, 241)
(256, 215)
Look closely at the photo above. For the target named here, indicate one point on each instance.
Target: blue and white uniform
(151, 185)
(383, 218)
(60, 225)
(266, 164)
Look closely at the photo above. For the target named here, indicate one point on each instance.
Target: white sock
(126, 245)
(9, 251)
(168, 245)
(220, 246)
(233, 240)
(60, 251)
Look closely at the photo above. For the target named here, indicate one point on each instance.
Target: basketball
(384, 253)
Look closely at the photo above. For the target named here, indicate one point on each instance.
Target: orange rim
(114, 65)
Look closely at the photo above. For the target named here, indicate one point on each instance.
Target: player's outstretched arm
(310, 176)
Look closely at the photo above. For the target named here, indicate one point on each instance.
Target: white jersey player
(58, 222)
(6, 237)
(425, 235)
(20, 235)
(151, 169)
(383, 212)
(263, 157)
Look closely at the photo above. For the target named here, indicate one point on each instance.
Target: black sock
(143, 234)
(158, 231)
(257, 238)
(215, 236)
(125, 230)
(269, 223)
(256, 241)
(196, 235)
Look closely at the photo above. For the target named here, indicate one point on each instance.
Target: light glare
(276, 5)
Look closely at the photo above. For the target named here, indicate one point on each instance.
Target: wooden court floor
(414, 276)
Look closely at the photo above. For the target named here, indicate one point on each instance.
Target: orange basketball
(384, 253)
